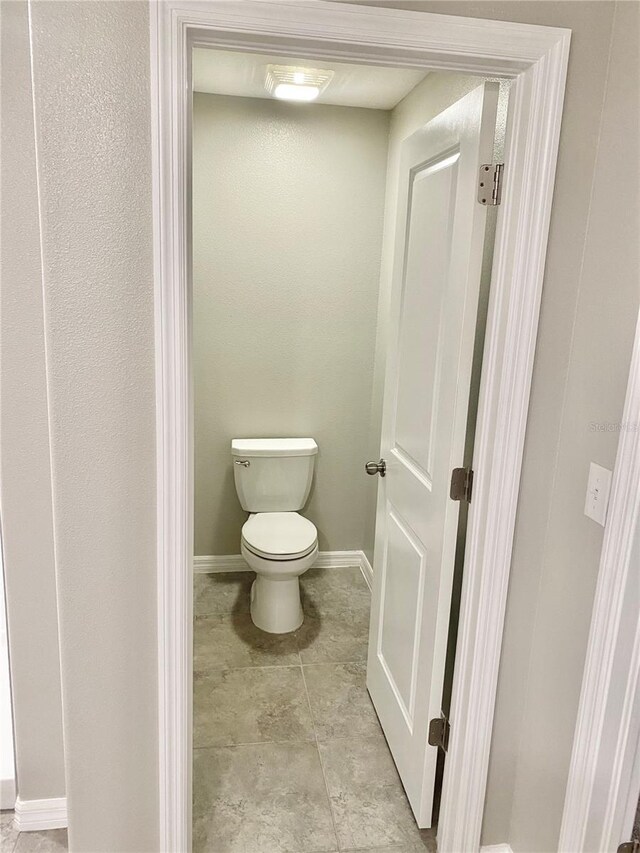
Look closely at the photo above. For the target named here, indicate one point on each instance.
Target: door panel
(404, 569)
(419, 370)
(436, 278)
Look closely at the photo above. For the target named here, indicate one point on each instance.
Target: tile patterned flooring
(289, 756)
(11, 841)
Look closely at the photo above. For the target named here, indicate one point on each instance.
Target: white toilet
(273, 478)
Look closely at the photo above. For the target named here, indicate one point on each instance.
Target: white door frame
(604, 775)
(535, 58)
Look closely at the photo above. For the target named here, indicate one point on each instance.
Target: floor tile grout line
(324, 775)
(240, 668)
(256, 743)
(207, 669)
(211, 669)
(308, 697)
(315, 740)
(284, 665)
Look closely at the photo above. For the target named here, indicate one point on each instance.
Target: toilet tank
(273, 474)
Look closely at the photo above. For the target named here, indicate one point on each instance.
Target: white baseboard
(32, 815)
(337, 559)
(211, 565)
(366, 569)
(496, 848)
(326, 560)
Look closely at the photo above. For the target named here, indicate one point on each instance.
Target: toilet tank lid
(273, 447)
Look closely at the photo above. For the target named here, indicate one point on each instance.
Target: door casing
(535, 59)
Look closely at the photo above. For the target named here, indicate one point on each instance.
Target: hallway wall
(600, 335)
(90, 78)
(589, 305)
(90, 60)
(588, 314)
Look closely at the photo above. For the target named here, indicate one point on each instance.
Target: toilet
(273, 479)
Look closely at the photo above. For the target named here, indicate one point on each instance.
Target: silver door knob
(376, 468)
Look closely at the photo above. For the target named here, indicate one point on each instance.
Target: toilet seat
(279, 535)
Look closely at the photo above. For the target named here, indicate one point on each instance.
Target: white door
(436, 277)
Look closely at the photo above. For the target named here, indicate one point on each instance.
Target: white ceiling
(227, 72)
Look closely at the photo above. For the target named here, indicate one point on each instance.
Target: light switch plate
(598, 489)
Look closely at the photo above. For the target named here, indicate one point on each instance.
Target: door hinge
(439, 729)
(629, 847)
(490, 183)
(461, 484)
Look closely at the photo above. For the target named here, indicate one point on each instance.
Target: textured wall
(25, 475)
(601, 334)
(92, 104)
(517, 776)
(287, 211)
(582, 359)
(91, 80)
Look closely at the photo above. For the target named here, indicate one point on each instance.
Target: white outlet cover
(598, 489)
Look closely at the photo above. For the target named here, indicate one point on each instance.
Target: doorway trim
(535, 58)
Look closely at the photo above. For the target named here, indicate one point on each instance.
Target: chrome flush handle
(244, 462)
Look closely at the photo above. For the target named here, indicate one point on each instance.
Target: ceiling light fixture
(290, 83)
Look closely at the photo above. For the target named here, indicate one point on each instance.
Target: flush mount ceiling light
(290, 83)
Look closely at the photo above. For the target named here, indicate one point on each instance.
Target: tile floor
(11, 841)
(289, 756)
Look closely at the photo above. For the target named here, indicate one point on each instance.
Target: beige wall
(600, 333)
(25, 475)
(582, 358)
(92, 104)
(91, 99)
(287, 225)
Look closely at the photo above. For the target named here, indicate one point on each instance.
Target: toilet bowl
(273, 480)
(279, 547)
